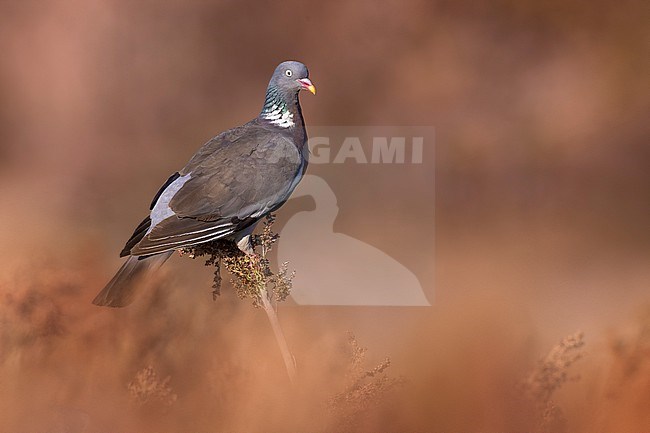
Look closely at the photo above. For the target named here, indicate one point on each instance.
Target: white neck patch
(279, 116)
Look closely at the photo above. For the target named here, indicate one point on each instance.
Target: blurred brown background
(541, 212)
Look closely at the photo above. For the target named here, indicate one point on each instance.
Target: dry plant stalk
(146, 387)
(549, 376)
(364, 388)
(253, 278)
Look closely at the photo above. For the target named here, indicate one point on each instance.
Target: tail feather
(120, 291)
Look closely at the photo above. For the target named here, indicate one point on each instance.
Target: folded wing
(234, 180)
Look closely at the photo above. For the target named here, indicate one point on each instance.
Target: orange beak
(307, 84)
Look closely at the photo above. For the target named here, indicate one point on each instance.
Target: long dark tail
(120, 291)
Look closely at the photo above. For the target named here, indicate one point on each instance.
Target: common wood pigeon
(232, 182)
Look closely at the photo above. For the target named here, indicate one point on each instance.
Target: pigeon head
(281, 107)
(291, 77)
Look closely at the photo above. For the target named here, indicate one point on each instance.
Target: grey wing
(223, 192)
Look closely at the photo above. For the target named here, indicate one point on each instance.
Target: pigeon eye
(288, 73)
